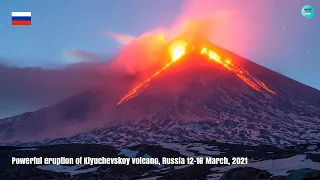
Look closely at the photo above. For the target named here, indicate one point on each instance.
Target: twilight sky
(65, 32)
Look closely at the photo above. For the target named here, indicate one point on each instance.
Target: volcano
(179, 48)
(204, 93)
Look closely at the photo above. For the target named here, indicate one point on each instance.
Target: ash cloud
(77, 56)
(32, 88)
(142, 55)
(248, 29)
(72, 95)
(123, 39)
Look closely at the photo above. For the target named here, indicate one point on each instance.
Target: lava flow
(242, 74)
(178, 49)
(176, 52)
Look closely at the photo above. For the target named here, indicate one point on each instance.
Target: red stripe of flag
(21, 23)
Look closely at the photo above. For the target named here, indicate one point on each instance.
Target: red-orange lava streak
(141, 86)
(246, 77)
(178, 51)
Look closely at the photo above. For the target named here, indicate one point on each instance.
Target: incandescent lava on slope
(242, 74)
(179, 48)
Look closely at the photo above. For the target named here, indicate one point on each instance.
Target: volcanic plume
(179, 48)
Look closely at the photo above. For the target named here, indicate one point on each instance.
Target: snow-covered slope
(264, 162)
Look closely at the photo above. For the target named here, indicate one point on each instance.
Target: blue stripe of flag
(21, 18)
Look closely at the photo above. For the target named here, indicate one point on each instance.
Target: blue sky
(277, 34)
(61, 25)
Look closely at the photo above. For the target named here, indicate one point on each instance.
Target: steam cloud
(246, 29)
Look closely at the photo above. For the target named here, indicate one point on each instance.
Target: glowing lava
(178, 49)
(242, 74)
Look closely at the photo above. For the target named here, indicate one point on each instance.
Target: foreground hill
(265, 162)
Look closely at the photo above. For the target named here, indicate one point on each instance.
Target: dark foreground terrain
(265, 162)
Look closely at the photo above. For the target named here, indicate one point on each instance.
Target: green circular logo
(307, 11)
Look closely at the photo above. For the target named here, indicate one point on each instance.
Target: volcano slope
(196, 99)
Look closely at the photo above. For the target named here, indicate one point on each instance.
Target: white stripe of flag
(21, 14)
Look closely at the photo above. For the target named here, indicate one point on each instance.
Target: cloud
(23, 89)
(123, 39)
(70, 92)
(77, 56)
(245, 28)
(144, 54)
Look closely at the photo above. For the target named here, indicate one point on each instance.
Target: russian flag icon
(21, 18)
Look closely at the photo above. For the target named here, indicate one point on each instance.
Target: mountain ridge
(193, 99)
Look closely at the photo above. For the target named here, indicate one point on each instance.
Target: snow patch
(150, 178)
(72, 170)
(312, 147)
(203, 150)
(277, 167)
(182, 166)
(27, 149)
(177, 147)
(129, 153)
